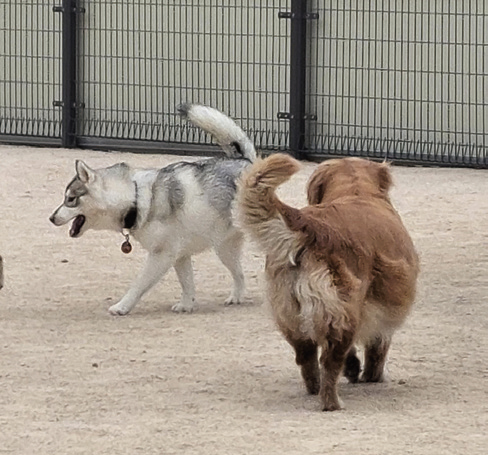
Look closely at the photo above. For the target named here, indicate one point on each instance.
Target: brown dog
(340, 271)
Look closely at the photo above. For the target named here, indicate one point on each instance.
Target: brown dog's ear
(384, 178)
(316, 186)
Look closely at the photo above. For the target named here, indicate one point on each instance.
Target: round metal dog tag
(126, 247)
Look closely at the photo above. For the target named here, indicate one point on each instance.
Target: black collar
(130, 219)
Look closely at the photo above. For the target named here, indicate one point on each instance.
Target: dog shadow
(270, 390)
(155, 309)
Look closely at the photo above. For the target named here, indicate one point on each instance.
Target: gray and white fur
(174, 212)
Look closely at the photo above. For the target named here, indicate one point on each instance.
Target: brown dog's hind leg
(375, 359)
(352, 367)
(307, 360)
(333, 360)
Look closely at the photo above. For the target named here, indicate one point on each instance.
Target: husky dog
(173, 212)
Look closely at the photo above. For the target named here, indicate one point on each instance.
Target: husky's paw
(232, 301)
(118, 310)
(183, 308)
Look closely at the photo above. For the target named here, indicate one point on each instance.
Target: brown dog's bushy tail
(270, 172)
(262, 211)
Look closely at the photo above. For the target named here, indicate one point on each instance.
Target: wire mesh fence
(30, 69)
(400, 79)
(139, 60)
(397, 79)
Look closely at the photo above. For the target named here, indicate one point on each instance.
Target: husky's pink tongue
(78, 222)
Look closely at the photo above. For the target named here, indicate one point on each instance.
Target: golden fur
(340, 271)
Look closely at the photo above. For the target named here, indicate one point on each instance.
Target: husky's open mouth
(78, 223)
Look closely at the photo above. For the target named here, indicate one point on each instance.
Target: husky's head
(96, 199)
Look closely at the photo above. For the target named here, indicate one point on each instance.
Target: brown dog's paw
(312, 385)
(333, 406)
(331, 401)
(352, 369)
(372, 377)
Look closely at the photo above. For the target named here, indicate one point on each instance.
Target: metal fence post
(298, 72)
(68, 102)
(298, 60)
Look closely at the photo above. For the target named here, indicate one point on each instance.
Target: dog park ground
(75, 380)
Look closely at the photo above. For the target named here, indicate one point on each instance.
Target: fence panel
(139, 60)
(30, 71)
(400, 79)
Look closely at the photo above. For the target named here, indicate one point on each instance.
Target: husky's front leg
(156, 266)
(184, 271)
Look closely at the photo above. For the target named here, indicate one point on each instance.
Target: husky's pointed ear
(84, 172)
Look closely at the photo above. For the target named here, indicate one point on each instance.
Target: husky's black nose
(51, 219)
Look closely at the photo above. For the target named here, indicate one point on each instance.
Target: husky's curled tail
(263, 214)
(224, 130)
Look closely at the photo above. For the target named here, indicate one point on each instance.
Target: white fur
(222, 128)
(171, 237)
(196, 228)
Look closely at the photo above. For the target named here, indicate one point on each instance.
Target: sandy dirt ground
(75, 380)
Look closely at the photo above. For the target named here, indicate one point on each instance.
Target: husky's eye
(70, 199)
